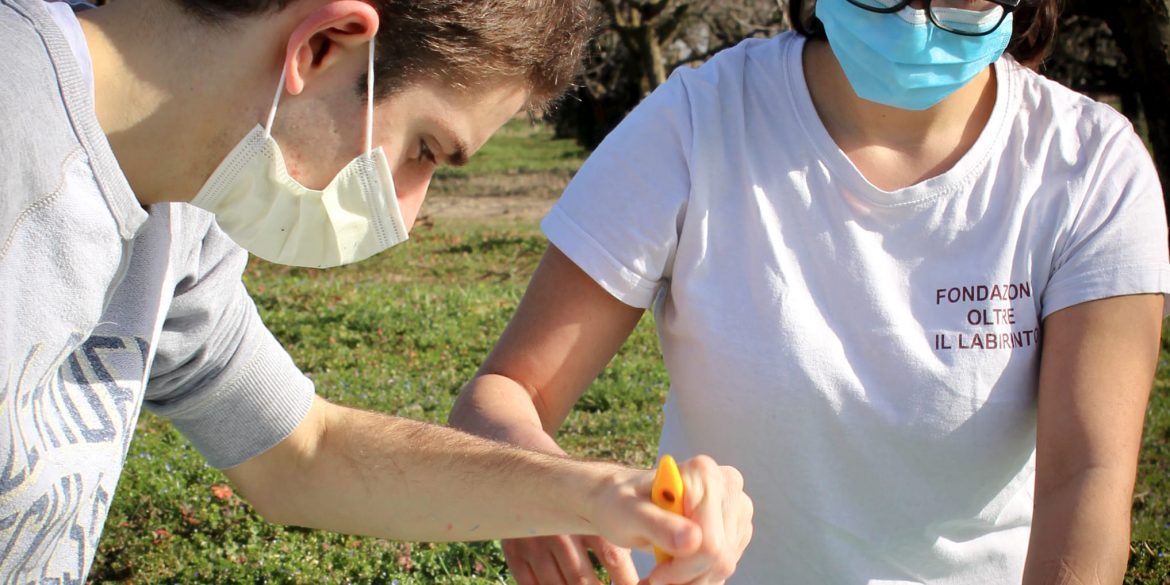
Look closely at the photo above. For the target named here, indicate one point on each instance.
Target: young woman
(909, 287)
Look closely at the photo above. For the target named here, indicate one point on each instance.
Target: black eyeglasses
(970, 18)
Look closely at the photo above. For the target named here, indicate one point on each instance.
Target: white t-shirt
(867, 359)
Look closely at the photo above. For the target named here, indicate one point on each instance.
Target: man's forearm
(365, 473)
(1080, 531)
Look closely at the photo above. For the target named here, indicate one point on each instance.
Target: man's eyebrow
(459, 149)
(459, 156)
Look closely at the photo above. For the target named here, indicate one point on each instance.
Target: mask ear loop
(275, 101)
(370, 101)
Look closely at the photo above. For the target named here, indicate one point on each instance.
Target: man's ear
(322, 37)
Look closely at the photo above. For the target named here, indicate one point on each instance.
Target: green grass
(1149, 560)
(401, 333)
(1151, 509)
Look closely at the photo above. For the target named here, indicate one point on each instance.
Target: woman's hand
(564, 560)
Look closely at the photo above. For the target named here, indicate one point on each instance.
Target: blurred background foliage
(1115, 51)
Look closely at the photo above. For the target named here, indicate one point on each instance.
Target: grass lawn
(400, 334)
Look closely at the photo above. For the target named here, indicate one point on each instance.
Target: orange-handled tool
(667, 493)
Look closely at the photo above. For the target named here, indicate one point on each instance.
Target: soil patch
(508, 196)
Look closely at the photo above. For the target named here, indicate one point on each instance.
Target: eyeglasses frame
(1008, 6)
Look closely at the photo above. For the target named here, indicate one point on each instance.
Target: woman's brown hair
(1033, 27)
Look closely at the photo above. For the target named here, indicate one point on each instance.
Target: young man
(118, 293)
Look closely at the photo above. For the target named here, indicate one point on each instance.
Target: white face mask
(276, 218)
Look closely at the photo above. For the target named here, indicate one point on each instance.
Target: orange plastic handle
(667, 493)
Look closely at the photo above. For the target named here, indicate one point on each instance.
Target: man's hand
(714, 499)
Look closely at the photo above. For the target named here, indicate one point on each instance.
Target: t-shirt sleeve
(219, 375)
(1115, 243)
(620, 217)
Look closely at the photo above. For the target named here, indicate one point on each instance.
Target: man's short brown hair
(460, 42)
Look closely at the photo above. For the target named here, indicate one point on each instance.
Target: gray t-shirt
(107, 306)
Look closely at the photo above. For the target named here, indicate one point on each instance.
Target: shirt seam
(42, 202)
(70, 87)
(638, 282)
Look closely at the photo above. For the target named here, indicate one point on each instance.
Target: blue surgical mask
(901, 59)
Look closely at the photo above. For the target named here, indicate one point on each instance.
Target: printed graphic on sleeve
(986, 315)
(63, 441)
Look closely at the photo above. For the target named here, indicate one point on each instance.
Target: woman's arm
(563, 333)
(566, 329)
(1096, 371)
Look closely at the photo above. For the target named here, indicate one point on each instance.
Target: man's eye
(425, 152)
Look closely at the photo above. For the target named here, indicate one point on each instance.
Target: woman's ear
(321, 39)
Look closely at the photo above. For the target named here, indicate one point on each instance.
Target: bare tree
(1141, 28)
(644, 27)
(643, 41)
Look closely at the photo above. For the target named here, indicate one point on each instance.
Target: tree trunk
(653, 64)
